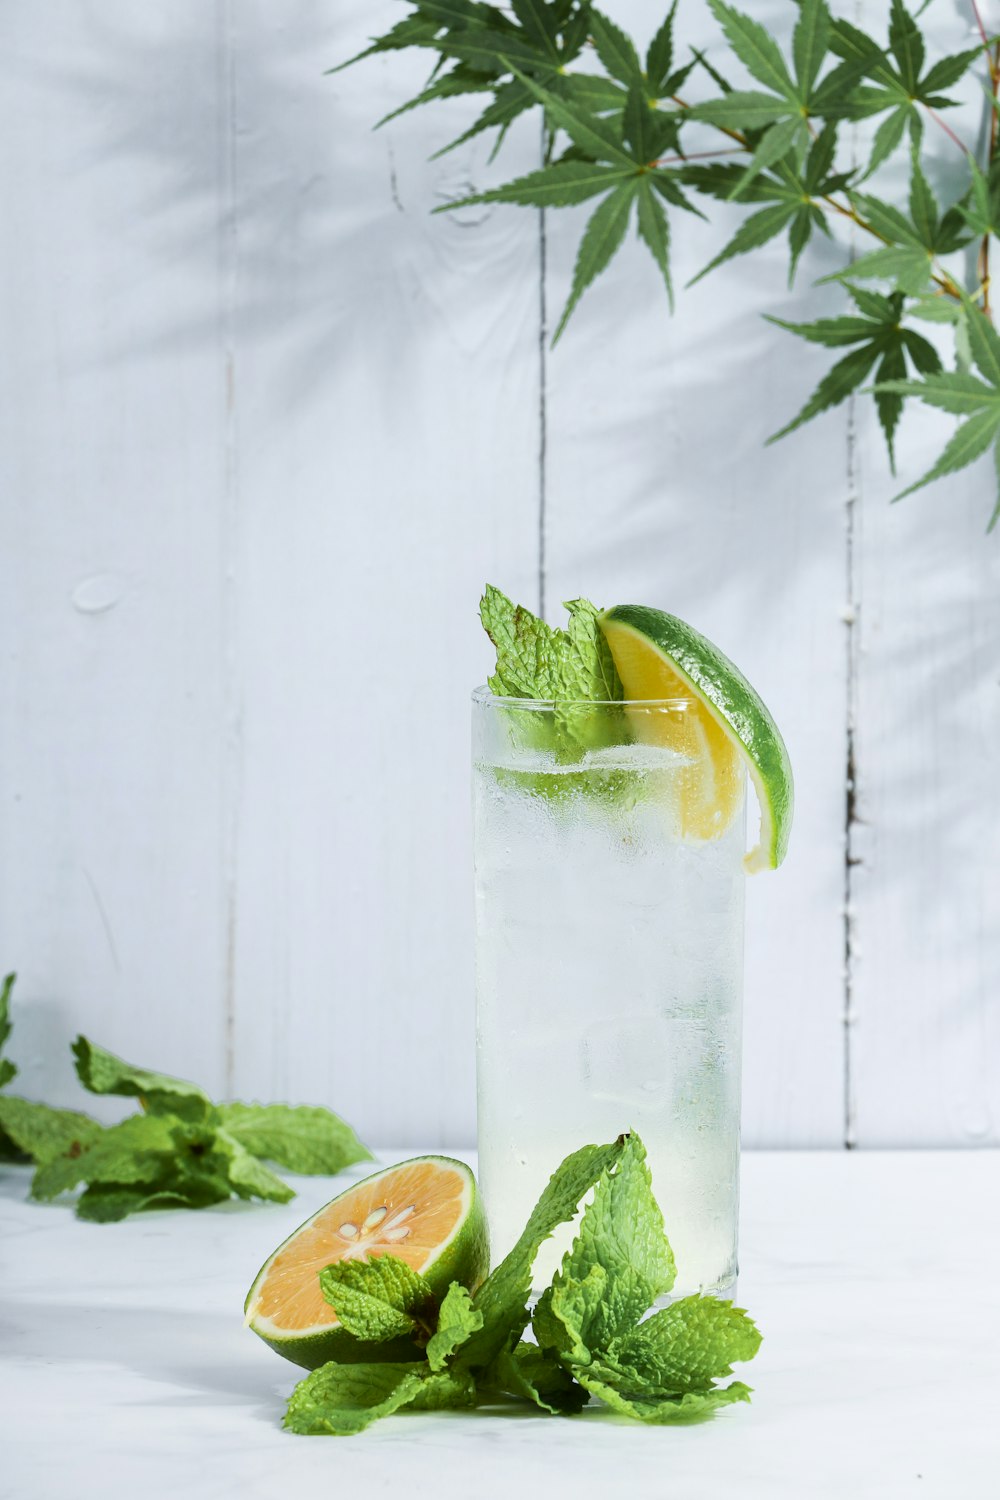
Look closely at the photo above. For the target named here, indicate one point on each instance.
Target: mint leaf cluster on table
(622, 129)
(181, 1151)
(591, 1333)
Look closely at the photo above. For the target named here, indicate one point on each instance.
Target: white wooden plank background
(268, 426)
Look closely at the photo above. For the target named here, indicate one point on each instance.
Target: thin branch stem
(948, 131)
(981, 27)
(734, 135)
(666, 161)
(984, 248)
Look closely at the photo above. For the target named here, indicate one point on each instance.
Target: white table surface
(125, 1369)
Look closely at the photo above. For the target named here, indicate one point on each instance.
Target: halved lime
(728, 728)
(425, 1211)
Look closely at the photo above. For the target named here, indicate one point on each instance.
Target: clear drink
(609, 956)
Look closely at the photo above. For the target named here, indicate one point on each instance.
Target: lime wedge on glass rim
(727, 730)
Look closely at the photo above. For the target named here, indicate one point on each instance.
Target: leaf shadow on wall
(276, 224)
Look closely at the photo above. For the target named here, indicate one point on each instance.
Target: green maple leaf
(774, 120)
(912, 243)
(875, 337)
(662, 77)
(477, 43)
(616, 159)
(898, 83)
(793, 193)
(963, 394)
(980, 209)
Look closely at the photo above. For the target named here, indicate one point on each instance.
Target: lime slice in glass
(728, 729)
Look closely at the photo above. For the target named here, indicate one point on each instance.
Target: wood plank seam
(232, 760)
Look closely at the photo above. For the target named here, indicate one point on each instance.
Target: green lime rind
(738, 708)
(464, 1257)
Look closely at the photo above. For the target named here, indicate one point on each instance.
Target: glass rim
(482, 695)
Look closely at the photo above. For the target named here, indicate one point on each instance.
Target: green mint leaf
(603, 235)
(109, 1203)
(43, 1133)
(535, 1376)
(7, 1068)
(502, 1298)
(621, 1235)
(136, 1150)
(246, 1174)
(684, 1347)
(556, 186)
(304, 1138)
(694, 1406)
(569, 1314)
(378, 1299)
(103, 1073)
(344, 1399)
(615, 50)
(539, 662)
(457, 1321)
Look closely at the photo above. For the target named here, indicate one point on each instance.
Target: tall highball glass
(609, 964)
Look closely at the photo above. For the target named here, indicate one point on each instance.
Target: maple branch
(665, 161)
(948, 131)
(981, 27)
(984, 248)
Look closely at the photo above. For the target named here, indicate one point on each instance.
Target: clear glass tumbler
(609, 964)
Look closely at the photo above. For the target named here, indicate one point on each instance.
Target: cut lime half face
(727, 730)
(426, 1212)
